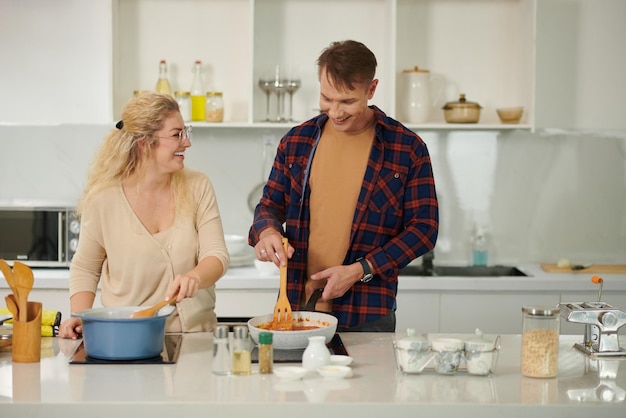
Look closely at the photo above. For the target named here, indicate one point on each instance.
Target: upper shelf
(547, 55)
(414, 127)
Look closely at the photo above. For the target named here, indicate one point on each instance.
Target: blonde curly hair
(119, 156)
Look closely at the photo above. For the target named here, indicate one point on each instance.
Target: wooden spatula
(283, 318)
(148, 313)
(23, 279)
(7, 272)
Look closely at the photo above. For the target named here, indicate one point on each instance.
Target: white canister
(419, 94)
(480, 354)
(412, 353)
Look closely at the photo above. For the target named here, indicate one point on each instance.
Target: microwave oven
(39, 236)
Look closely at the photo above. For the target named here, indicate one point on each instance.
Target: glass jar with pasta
(540, 341)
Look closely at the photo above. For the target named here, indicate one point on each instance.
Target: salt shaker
(221, 351)
(540, 341)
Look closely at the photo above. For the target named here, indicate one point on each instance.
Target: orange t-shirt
(335, 182)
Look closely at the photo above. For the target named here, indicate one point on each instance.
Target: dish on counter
(290, 372)
(335, 372)
(340, 360)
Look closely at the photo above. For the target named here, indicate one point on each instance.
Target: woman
(150, 229)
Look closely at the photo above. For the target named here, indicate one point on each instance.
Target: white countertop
(537, 279)
(189, 389)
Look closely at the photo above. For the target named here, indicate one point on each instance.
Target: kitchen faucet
(427, 263)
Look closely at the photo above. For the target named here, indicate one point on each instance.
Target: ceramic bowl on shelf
(236, 244)
(510, 115)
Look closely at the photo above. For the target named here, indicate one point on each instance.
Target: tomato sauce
(296, 326)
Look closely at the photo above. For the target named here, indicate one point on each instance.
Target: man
(356, 193)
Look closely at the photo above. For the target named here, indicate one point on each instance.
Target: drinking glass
(266, 86)
(279, 86)
(293, 84)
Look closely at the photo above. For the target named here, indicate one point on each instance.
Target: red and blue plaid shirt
(396, 218)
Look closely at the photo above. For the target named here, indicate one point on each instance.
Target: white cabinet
(56, 62)
(579, 64)
(78, 62)
(481, 48)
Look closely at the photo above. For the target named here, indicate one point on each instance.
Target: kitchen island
(55, 388)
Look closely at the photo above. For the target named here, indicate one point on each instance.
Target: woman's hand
(186, 285)
(71, 328)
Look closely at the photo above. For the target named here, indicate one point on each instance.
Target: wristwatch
(366, 270)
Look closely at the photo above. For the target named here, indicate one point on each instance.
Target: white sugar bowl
(448, 353)
(412, 352)
(480, 354)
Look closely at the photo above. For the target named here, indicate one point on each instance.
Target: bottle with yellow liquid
(241, 356)
(163, 84)
(198, 95)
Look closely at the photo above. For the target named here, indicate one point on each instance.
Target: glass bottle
(183, 98)
(198, 97)
(540, 341)
(266, 353)
(214, 107)
(221, 351)
(163, 84)
(241, 357)
(480, 251)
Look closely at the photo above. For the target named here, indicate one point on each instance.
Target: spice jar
(540, 341)
(214, 107)
(221, 352)
(241, 356)
(183, 98)
(266, 353)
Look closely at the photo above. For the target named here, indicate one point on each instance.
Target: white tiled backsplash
(541, 196)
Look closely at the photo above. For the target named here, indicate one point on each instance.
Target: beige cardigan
(134, 268)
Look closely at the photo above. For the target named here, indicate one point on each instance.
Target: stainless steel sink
(463, 271)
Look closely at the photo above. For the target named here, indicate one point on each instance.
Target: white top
(188, 388)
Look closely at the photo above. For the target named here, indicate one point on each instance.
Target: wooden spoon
(149, 313)
(8, 275)
(283, 318)
(12, 305)
(24, 279)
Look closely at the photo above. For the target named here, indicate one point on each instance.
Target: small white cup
(448, 354)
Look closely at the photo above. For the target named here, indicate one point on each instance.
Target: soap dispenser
(480, 252)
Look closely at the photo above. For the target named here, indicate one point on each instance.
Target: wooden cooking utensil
(12, 306)
(283, 319)
(8, 275)
(24, 279)
(149, 313)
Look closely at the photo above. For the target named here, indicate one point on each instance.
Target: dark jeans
(386, 323)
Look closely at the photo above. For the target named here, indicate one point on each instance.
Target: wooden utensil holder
(27, 336)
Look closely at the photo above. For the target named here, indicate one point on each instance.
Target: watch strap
(367, 271)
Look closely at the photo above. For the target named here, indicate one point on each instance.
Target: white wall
(542, 196)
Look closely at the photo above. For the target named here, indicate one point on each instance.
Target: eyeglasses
(184, 133)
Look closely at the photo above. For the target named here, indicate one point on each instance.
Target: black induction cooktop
(169, 355)
(335, 346)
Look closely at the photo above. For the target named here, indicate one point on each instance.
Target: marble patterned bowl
(296, 339)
